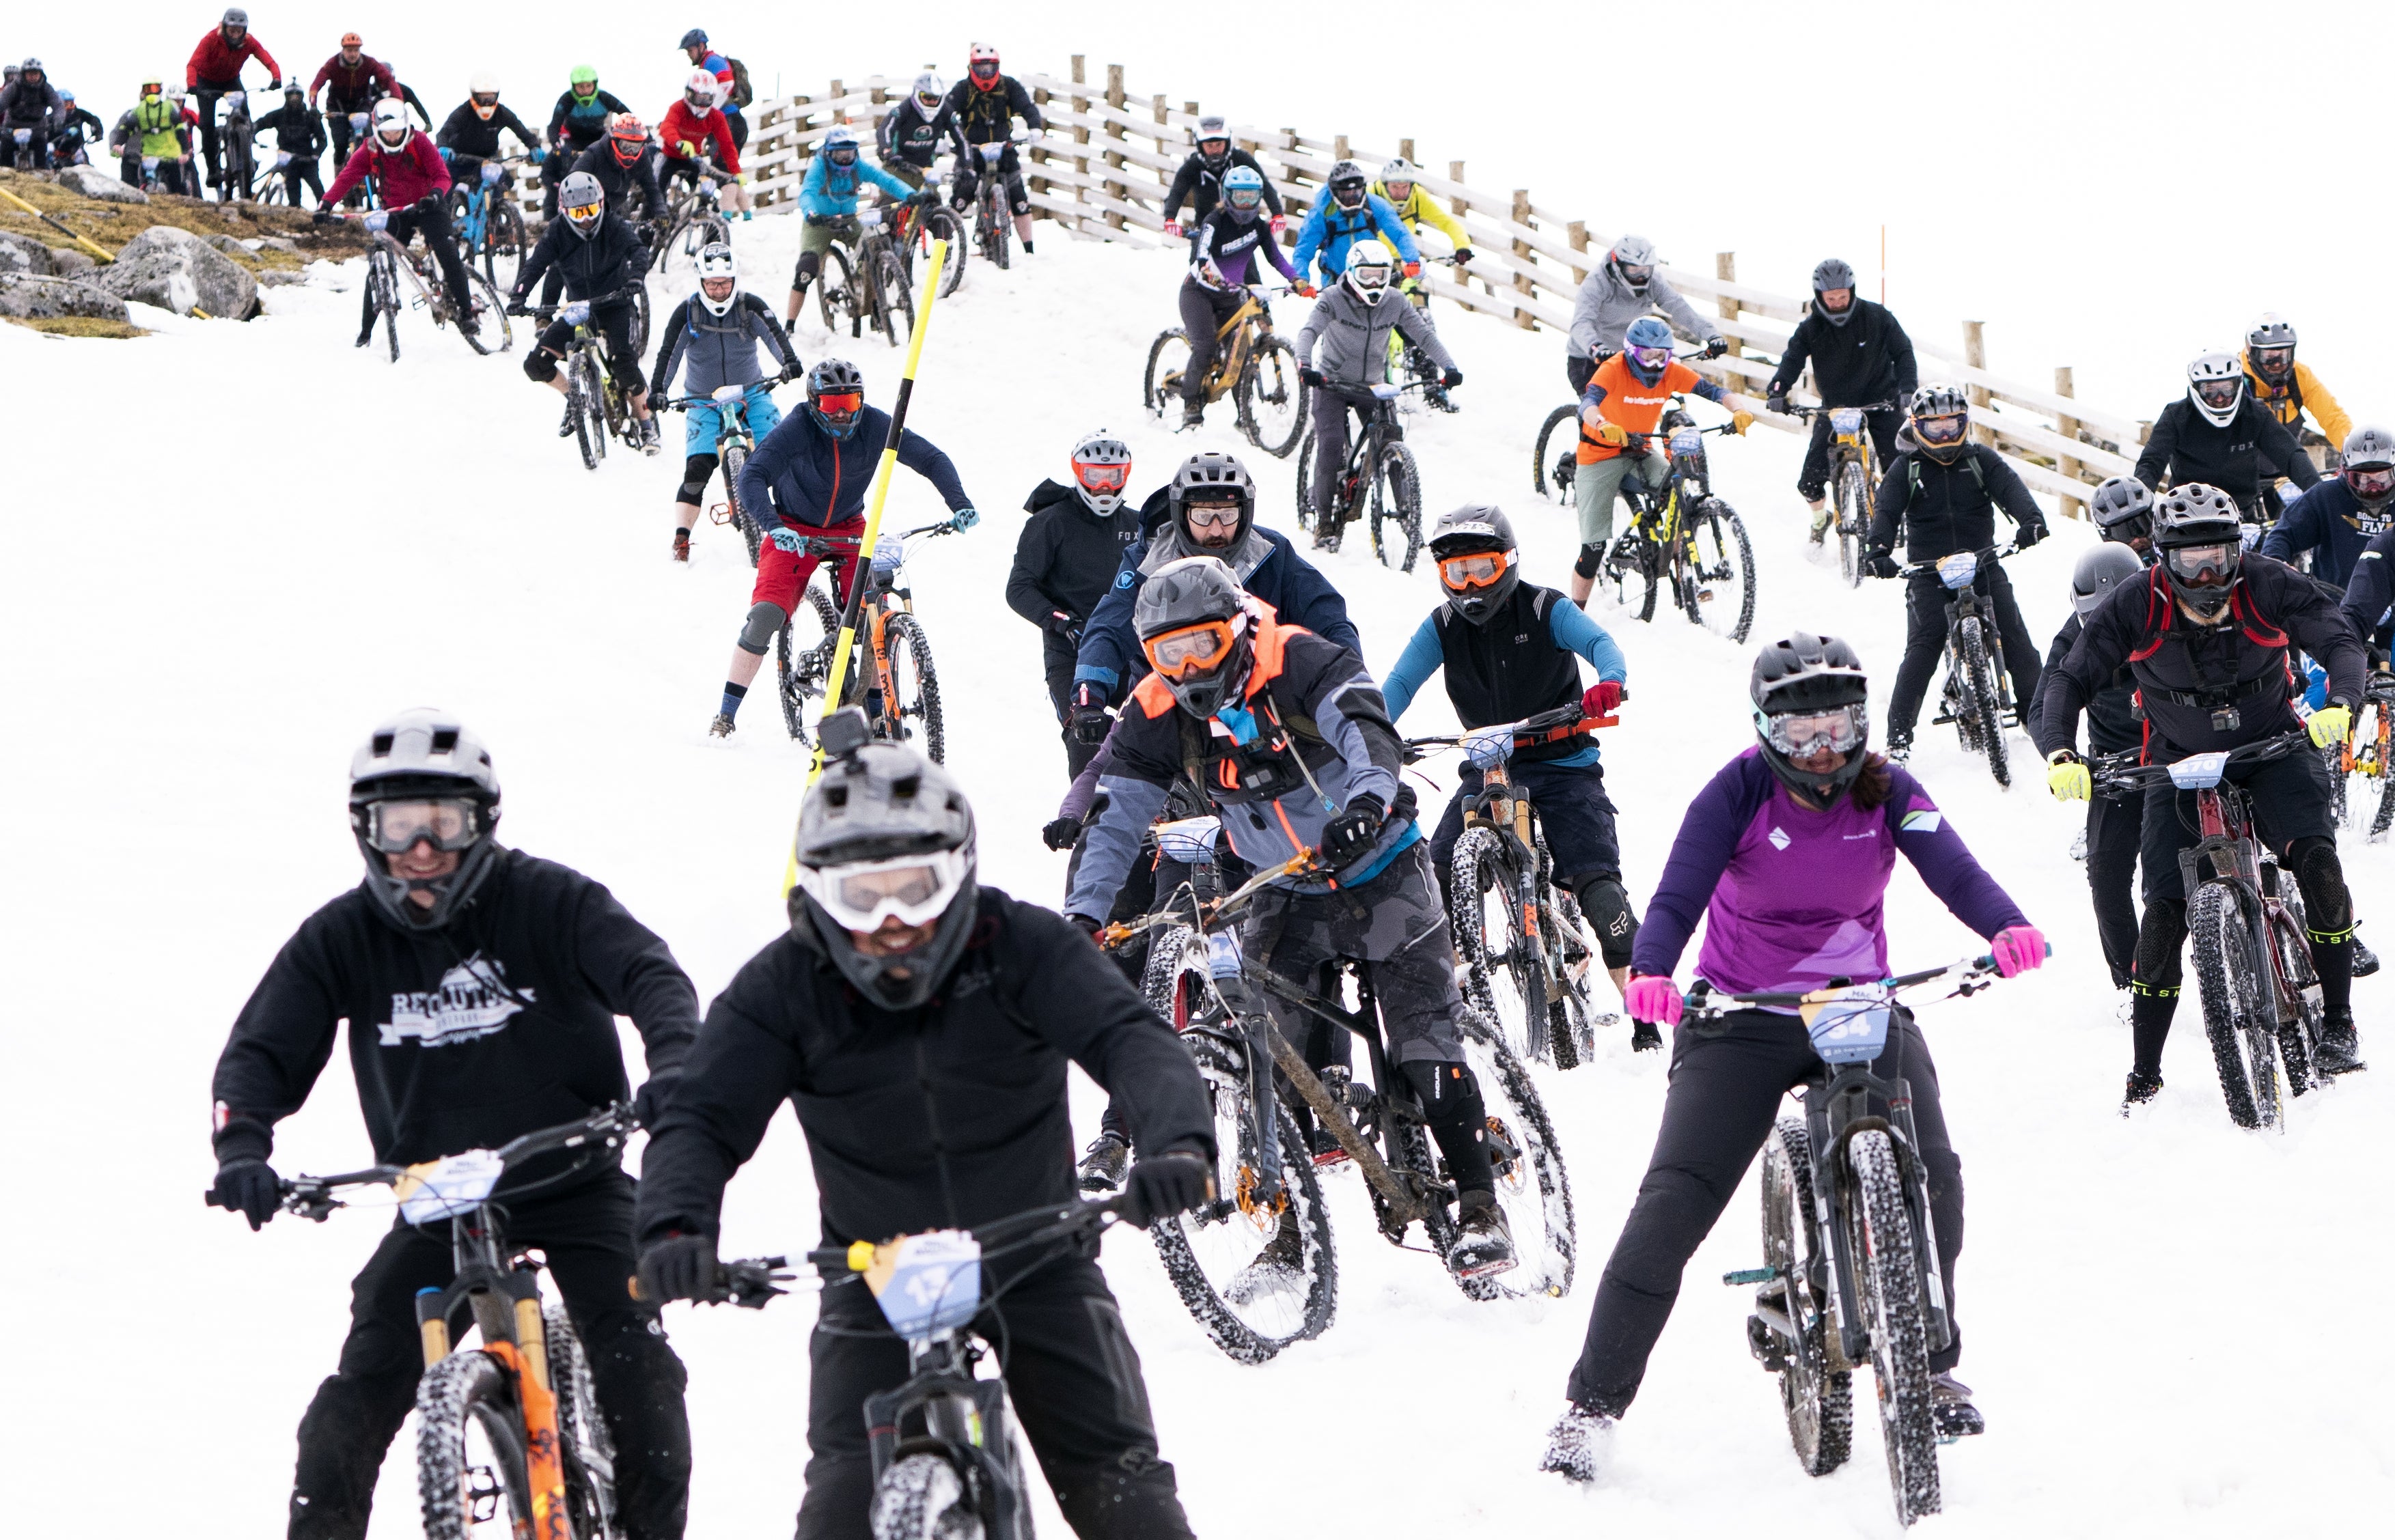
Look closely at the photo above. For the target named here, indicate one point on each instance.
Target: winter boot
(2365, 962)
(1104, 1163)
(1484, 1242)
(1579, 1444)
(2340, 1046)
(1192, 415)
(1900, 747)
(1279, 1267)
(1951, 1409)
(682, 545)
(649, 436)
(722, 727)
(1645, 1035)
(2141, 1091)
(565, 424)
(1821, 518)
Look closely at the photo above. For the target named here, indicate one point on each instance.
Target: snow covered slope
(2173, 1326)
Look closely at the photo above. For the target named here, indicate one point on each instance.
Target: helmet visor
(2136, 526)
(1473, 569)
(927, 103)
(450, 823)
(840, 406)
(2219, 394)
(1799, 733)
(1102, 478)
(985, 69)
(1192, 649)
(1948, 429)
(2204, 566)
(1637, 278)
(2371, 483)
(913, 889)
(1348, 191)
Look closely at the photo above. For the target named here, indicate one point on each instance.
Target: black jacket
(621, 183)
(2191, 672)
(950, 1115)
(2186, 446)
(612, 258)
(906, 135)
(1937, 509)
(2113, 724)
(468, 134)
(1200, 186)
(1066, 557)
(578, 123)
(986, 117)
(299, 131)
(1866, 360)
(1511, 667)
(2371, 588)
(500, 1022)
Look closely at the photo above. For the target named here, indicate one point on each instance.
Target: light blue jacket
(1329, 230)
(830, 192)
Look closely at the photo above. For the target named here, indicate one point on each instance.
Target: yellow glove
(2329, 726)
(1614, 434)
(684, 148)
(2066, 776)
(1741, 421)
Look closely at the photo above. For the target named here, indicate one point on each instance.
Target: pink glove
(1173, 227)
(2017, 949)
(1653, 999)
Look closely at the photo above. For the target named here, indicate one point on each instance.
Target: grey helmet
(1803, 672)
(2100, 568)
(1346, 175)
(929, 92)
(882, 802)
(2370, 450)
(1461, 532)
(1211, 127)
(1100, 448)
(582, 190)
(1632, 261)
(2197, 515)
(1189, 592)
(1213, 469)
(1833, 273)
(2123, 509)
(418, 755)
(2223, 378)
(2272, 337)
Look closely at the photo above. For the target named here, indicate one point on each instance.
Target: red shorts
(783, 575)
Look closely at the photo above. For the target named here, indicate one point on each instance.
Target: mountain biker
(702, 55)
(2287, 390)
(2123, 511)
(480, 987)
(624, 162)
(215, 67)
(1291, 741)
(1351, 321)
(1212, 511)
(158, 131)
(358, 80)
(77, 127)
(2219, 436)
(2206, 635)
(1065, 559)
(1400, 188)
(1619, 408)
(300, 133)
(1511, 651)
(806, 482)
(1617, 292)
(986, 102)
(1199, 182)
(1861, 357)
(1223, 252)
(2340, 515)
(2368, 594)
(911, 135)
(695, 126)
(828, 206)
(1939, 495)
(30, 104)
(577, 124)
(1347, 214)
(413, 182)
(716, 332)
(1786, 855)
(472, 133)
(603, 259)
(921, 1025)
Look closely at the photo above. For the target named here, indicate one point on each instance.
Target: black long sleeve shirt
(1200, 186)
(2186, 447)
(469, 133)
(1866, 360)
(1066, 557)
(1938, 508)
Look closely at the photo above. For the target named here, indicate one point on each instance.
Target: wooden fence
(1103, 166)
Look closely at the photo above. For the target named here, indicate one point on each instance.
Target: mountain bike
(891, 674)
(1977, 695)
(874, 289)
(238, 154)
(1522, 939)
(918, 223)
(693, 219)
(510, 1441)
(734, 440)
(1682, 541)
(993, 221)
(489, 227)
(1851, 1272)
(594, 402)
(395, 273)
(1254, 367)
(1555, 466)
(1853, 479)
(2253, 962)
(2357, 763)
(1381, 486)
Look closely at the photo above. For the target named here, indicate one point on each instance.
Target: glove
(1614, 434)
(1652, 999)
(678, 1267)
(1161, 1186)
(1452, 378)
(1462, 255)
(2329, 725)
(1741, 421)
(1059, 833)
(519, 308)
(786, 540)
(2017, 948)
(1881, 564)
(686, 150)
(248, 1188)
(1602, 698)
(427, 203)
(1173, 227)
(963, 518)
(649, 1102)
(324, 216)
(1085, 925)
(1776, 402)
(2028, 535)
(789, 372)
(1352, 832)
(1089, 721)
(539, 157)
(2066, 776)
(1715, 347)
(1305, 290)
(1413, 270)
(1310, 375)
(1279, 223)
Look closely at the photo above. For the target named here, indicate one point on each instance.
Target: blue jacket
(830, 192)
(1329, 230)
(1275, 574)
(815, 481)
(2326, 522)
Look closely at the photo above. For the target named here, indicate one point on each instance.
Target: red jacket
(213, 63)
(680, 122)
(363, 87)
(402, 176)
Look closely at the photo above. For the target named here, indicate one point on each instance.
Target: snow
(2171, 1325)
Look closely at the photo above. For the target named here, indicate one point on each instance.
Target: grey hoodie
(1354, 335)
(1606, 307)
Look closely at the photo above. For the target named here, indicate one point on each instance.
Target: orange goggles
(1190, 649)
(582, 214)
(840, 405)
(1475, 568)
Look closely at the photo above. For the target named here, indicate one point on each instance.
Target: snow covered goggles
(1475, 568)
(1191, 649)
(862, 895)
(450, 823)
(1798, 733)
(1948, 429)
(2204, 566)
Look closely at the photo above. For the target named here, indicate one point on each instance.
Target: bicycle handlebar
(1969, 973)
(752, 1281)
(1795, 410)
(1560, 722)
(1992, 553)
(2111, 770)
(545, 312)
(313, 1197)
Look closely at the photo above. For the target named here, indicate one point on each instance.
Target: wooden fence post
(1040, 98)
(1975, 353)
(1114, 99)
(2069, 427)
(1190, 108)
(1725, 269)
(839, 115)
(880, 97)
(1522, 249)
(1081, 131)
(1456, 207)
(1406, 151)
(1338, 147)
(1160, 117)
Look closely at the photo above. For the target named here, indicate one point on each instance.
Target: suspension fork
(1527, 882)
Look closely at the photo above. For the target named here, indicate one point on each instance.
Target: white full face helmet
(718, 268)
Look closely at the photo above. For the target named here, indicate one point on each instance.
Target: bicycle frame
(883, 599)
(1233, 341)
(1381, 426)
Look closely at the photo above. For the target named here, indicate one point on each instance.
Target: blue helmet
(1647, 347)
(1243, 189)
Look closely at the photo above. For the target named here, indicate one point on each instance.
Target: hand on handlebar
(678, 1267)
(1651, 997)
(2329, 726)
(786, 540)
(1161, 1186)
(248, 1188)
(1603, 698)
(2066, 776)
(1880, 564)
(963, 518)
(2017, 949)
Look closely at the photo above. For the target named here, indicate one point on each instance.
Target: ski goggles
(1372, 278)
(487, 102)
(1207, 516)
(1799, 733)
(840, 405)
(1948, 429)
(863, 895)
(1193, 649)
(1244, 198)
(1650, 357)
(1350, 192)
(2274, 362)
(700, 102)
(2370, 482)
(986, 70)
(2204, 566)
(842, 154)
(450, 823)
(1104, 477)
(2220, 393)
(584, 214)
(1475, 568)
(1637, 278)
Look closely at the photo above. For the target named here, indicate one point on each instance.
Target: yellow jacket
(1421, 206)
(2304, 393)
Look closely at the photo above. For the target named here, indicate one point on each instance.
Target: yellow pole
(96, 249)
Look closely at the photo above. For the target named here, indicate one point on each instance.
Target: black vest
(1511, 667)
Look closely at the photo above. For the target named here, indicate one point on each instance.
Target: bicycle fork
(1842, 1105)
(506, 1303)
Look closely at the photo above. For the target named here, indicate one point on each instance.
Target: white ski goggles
(861, 895)
(1798, 733)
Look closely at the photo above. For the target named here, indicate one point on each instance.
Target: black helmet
(1196, 630)
(1212, 472)
(2123, 509)
(1805, 675)
(695, 38)
(835, 377)
(2201, 541)
(2099, 567)
(423, 775)
(1474, 529)
(1834, 274)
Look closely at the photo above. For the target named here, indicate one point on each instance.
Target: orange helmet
(628, 138)
(352, 40)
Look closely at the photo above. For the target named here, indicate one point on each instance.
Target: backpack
(742, 94)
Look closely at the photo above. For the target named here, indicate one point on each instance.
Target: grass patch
(77, 325)
(112, 225)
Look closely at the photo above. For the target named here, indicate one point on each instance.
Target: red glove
(1601, 699)
(1279, 223)
(1413, 270)
(1173, 227)
(1305, 290)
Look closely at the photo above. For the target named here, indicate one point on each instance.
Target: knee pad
(810, 264)
(1589, 556)
(1607, 909)
(541, 365)
(2160, 933)
(2328, 907)
(1449, 1096)
(695, 472)
(765, 621)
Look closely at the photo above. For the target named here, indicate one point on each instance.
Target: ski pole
(837, 684)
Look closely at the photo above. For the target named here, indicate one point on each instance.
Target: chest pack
(1276, 757)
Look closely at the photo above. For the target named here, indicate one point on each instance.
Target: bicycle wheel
(640, 317)
(1552, 478)
(493, 333)
(1397, 509)
(1817, 1397)
(918, 687)
(382, 283)
(1305, 479)
(1880, 1241)
(734, 457)
(803, 663)
(1532, 1188)
(2237, 1018)
(1720, 594)
(585, 1449)
(503, 243)
(1272, 399)
(1168, 359)
(591, 423)
(945, 226)
(273, 195)
(833, 298)
(1979, 687)
(1635, 564)
(1853, 508)
(921, 1497)
(894, 298)
(998, 227)
(470, 1472)
(2292, 960)
(1571, 957)
(1505, 975)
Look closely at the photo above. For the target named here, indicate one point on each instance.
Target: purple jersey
(1793, 896)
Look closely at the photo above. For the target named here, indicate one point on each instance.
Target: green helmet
(583, 74)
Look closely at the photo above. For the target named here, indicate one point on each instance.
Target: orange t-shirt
(1631, 402)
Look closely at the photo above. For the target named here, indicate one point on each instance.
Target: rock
(21, 254)
(277, 242)
(225, 243)
(275, 278)
(68, 262)
(92, 182)
(48, 298)
(177, 271)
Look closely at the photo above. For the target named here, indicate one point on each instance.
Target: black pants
(295, 175)
(612, 322)
(433, 225)
(1203, 312)
(2113, 828)
(738, 124)
(336, 124)
(1925, 642)
(1331, 406)
(208, 96)
(1813, 480)
(35, 156)
(1059, 657)
(586, 1232)
(1075, 1380)
(1728, 1077)
(1577, 369)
